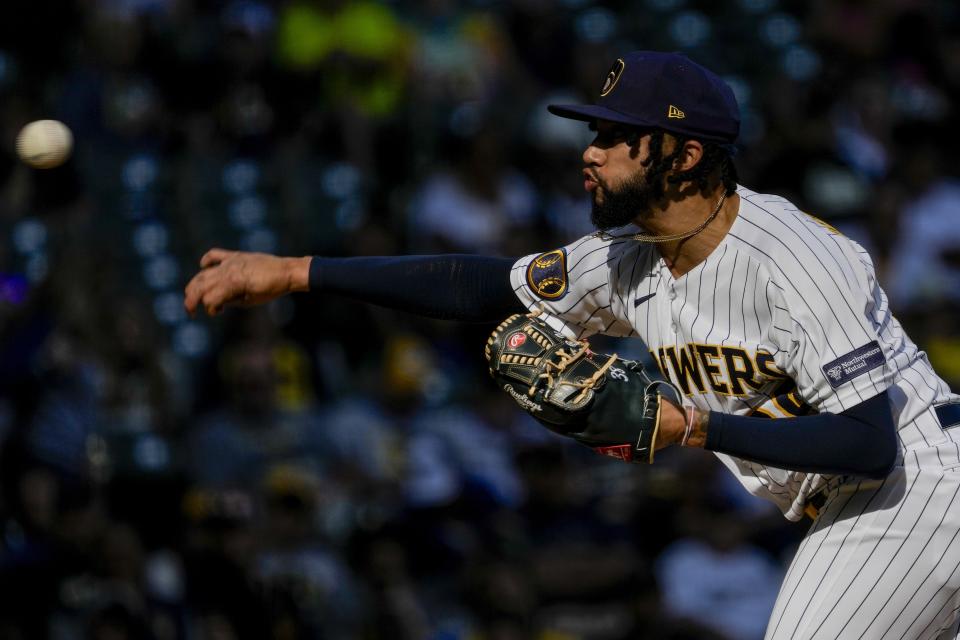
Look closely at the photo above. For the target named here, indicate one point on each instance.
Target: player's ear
(689, 156)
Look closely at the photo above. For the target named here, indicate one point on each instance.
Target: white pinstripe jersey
(785, 317)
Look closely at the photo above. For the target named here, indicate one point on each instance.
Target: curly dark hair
(716, 160)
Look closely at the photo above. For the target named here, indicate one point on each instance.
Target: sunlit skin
(609, 161)
(242, 278)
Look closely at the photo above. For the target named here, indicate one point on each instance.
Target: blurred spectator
(146, 388)
(924, 259)
(461, 56)
(219, 557)
(237, 444)
(475, 204)
(357, 52)
(862, 125)
(294, 561)
(715, 577)
(452, 452)
(557, 144)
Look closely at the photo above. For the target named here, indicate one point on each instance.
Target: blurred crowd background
(322, 469)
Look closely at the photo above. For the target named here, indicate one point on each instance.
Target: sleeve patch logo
(856, 363)
(547, 274)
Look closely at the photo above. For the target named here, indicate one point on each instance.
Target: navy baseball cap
(663, 90)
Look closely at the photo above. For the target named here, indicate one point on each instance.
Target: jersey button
(673, 294)
(673, 327)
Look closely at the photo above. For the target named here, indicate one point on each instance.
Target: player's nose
(593, 156)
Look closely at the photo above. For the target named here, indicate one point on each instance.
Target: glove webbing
(566, 359)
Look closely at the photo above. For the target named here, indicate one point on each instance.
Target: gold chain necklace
(645, 237)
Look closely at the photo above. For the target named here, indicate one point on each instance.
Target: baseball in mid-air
(44, 144)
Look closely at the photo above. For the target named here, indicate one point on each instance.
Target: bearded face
(622, 204)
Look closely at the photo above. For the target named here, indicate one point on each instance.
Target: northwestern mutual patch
(857, 362)
(547, 274)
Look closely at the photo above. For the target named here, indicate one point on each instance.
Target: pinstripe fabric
(879, 563)
(782, 286)
(753, 330)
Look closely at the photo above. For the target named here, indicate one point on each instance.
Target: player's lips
(589, 181)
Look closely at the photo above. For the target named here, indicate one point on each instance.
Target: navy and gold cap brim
(591, 112)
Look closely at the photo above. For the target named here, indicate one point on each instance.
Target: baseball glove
(608, 404)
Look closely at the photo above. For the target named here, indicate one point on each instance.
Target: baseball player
(751, 309)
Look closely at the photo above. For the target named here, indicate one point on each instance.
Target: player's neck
(683, 255)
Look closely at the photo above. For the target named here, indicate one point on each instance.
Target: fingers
(211, 300)
(193, 293)
(205, 290)
(214, 257)
(228, 277)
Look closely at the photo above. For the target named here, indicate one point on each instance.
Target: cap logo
(612, 76)
(673, 112)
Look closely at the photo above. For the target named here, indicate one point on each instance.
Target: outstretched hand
(243, 278)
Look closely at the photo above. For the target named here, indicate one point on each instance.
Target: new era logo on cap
(673, 112)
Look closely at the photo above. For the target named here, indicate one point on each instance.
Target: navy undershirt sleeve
(860, 441)
(448, 287)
